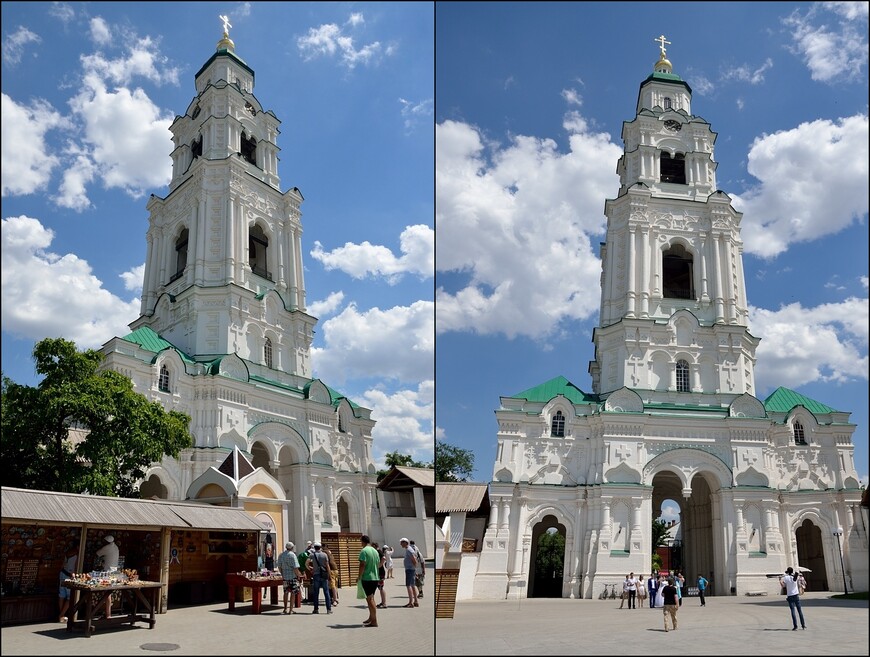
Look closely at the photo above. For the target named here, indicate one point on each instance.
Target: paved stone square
(728, 625)
(213, 630)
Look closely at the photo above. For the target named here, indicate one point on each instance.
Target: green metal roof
(558, 386)
(337, 396)
(146, 338)
(671, 78)
(782, 400)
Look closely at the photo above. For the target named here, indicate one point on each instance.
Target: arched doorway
(343, 514)
(547, 559)
(811, 554)
(260, 457)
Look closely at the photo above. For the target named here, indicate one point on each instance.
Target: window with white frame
(799, 436)
(557, 428)
(267, 353)
(163, 380)
(682, 376)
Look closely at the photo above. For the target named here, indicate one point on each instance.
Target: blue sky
(88, 93)
(530, 101)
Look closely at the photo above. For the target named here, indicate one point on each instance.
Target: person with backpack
(318, 567)
(410, 563)
(420, 572)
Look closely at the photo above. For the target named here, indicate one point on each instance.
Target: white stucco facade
(761, 484)
(224, 335)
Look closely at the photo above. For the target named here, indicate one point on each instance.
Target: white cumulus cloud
(517, 222)
(813, 181)
(397, 343)
(329, 40)
(13, 44)
(404, 421)
(26, 161)
(36, 283)
(833, 53)
(360, 260)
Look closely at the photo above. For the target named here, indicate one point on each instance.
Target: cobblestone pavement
(729, 625)
(213, 630)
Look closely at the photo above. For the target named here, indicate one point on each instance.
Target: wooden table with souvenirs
(256, 581)
(89, 591)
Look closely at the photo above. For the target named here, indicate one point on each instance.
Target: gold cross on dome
(227, 26)
(662, 43)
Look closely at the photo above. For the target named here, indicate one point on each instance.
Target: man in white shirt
(792, 595)
(632, 591)
(111, 555)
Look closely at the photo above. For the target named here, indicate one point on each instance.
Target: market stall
(90, 592)
(256, 582)
(185, 547)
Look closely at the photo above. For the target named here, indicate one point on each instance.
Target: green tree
(551, 554)
(660, 535)
(452, 463)
(81, 429)
(401, 460)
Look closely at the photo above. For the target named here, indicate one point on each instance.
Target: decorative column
(493, 515)
(645, 271)
(705, 298)
(717, 264)
(631, 294)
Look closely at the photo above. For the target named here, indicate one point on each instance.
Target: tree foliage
(81, 429)
(660, 533)
(402, 460)
(452, 463)
(550, 556)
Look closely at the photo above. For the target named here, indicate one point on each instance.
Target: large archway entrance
(689, 546)
(547, 559)
(811, 554)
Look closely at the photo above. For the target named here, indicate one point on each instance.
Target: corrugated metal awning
(206, 516)
(25, 505)
(455, 497)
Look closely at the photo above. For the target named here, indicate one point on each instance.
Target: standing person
(641, 592)
(368, 573)
(333, 576)
(792, 594)
(382, 573)
(388, 554)
(268, 564)
(410, 564)
(288, 564)
(652, 585)
(702, 586)
(669, 594)
(318, 567)
(678, 582)
(624, 592)
(660, 595)
(66, 571)
(303, 566)
(110, 555)
(632, 591)
(420, 572)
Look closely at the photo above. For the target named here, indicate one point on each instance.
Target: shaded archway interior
(546, 582)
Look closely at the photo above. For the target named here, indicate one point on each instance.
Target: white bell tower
(223, 273)
(674, 312)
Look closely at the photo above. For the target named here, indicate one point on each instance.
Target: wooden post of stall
(165, 545)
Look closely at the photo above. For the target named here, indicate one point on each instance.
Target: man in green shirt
(368, 575)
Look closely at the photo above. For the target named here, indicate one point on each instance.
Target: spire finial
(227, 26)
(226, 43)
(661, 40)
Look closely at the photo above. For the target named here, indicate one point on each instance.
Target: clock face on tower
(672, 126)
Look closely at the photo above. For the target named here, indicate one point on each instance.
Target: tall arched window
(249, 148)
(677, 273)
(258, 245)
(668, 104)
(799, 437)
(180, 255)
(558, 426)
(267, 353)
(682, 376)
(673, 169)
(163, 380)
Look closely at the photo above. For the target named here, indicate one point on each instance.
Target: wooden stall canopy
(345, 548)
(184, 544)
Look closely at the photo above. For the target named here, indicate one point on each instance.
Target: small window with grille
(799, 436)
(682, 376)
(267, 353)
(163, 381)
(558, 426)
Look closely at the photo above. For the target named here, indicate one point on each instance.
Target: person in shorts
(288, 564)
(368, 575)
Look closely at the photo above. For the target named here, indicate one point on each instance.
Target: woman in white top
(388, 563)
(660, 595)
